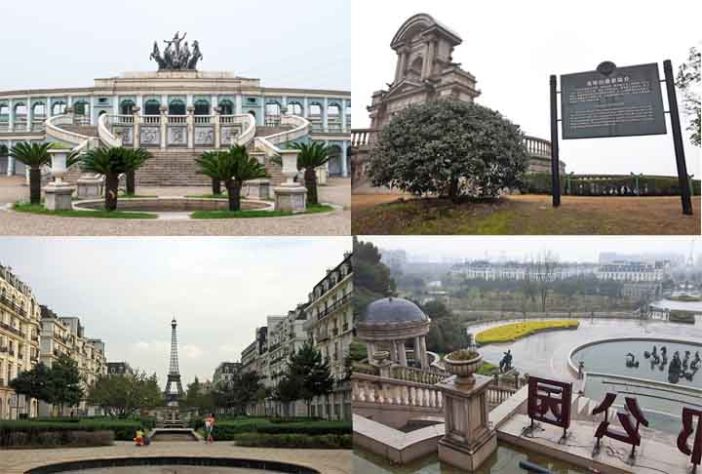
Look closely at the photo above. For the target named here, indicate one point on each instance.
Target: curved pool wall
(168, 461)
(172, 204)
(661, 400)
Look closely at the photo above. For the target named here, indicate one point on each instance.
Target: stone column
(423, 346)
(237, 104)
(290, 196)
(217, 126)
(10, 159)
(164, 126)
(325, 121)
(47, 111)
(92, 115)
(343, 116)
(190, 119)
(11, 110)
(136, 126)
(29, 114)
(402, 352)
(344, 157)
(468, 441)
(305, 107)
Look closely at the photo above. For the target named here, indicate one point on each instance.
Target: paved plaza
(15, 461)
(338, 222)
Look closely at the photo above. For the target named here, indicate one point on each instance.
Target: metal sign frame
(673, 112)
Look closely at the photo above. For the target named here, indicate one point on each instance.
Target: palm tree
(216, 183)
(112, 162)
(233, 167)
(312, 156)
(131, 174)
(35, 155)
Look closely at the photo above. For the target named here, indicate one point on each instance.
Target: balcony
(346, 299)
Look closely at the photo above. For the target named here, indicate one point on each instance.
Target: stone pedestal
(90, 187)
(292, 198)
(58, 196)
(468, 441)
(257, 188)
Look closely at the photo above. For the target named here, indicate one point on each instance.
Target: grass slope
(39, 209)
(512, 331)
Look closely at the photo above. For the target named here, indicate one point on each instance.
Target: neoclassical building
(20, 318)
(425, 71)
(177, 113)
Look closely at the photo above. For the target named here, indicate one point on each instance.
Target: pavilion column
(403, 352)
(370, 349)
(393, 352)
(423, 346)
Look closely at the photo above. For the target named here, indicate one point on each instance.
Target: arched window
(334, 116)
(80, 108)
(176, 107)
(4, 110)
(226, 106)
(20, 109)
(334, 162)
(152, 107)
(58, 108)
(295, 108)
(252, 112)
(126, 107)
(202, 107)
(39, 109)
(315, 109)
(273, 111)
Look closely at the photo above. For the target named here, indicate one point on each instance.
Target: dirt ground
(523, 215)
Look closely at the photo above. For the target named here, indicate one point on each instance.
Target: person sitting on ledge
(139, 438)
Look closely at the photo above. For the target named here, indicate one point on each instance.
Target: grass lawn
(39, 209)
(223, 214)
(512, 331)
(523, 215)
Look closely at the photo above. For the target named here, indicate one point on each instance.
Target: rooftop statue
(177, 57)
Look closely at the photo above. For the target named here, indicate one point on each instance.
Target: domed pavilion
(388, 323)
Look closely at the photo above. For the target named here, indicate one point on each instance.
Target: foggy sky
(572, 248)
(69, 43)
(126, 290)
(512, 47)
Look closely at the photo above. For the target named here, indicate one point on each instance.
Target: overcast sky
(69, 43)
(572, 248)
(126, 290)
(512, 47)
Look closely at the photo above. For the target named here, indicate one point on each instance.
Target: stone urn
(463, 364)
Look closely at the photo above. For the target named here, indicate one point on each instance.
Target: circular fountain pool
(173, 465)
(172, 204)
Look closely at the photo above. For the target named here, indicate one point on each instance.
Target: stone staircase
(171, 168)
(87, 130)
(268, 131)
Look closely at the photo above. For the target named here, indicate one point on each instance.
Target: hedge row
(585, 185)
(227, 428)
(327, 441)
(123, 430)
(14, 435)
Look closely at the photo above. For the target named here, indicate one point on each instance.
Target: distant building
(627, 271)
(494, 271)
(119, 368)
(224, 372)
(20, 318)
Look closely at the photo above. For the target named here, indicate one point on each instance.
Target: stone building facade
(19, 342)
(326, 322)
(66, 336)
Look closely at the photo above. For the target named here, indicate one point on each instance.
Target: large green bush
(46, 434)
(300, 441)
(122, 429)
(228, 429)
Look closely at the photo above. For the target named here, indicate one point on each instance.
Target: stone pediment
(403, 87)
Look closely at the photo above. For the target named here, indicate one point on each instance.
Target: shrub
(228, 429)
(300, 441)
(513, 331)
(40, 434)
(122, 429)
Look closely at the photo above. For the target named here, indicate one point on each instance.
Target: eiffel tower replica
(174, 389)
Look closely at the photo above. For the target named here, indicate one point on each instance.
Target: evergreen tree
(311, 371)
(65, 383)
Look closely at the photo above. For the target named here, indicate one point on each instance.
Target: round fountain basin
(173, 464)
(172, 204)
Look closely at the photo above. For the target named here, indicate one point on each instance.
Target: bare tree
(542, 272)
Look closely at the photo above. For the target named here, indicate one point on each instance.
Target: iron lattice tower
(174, 389)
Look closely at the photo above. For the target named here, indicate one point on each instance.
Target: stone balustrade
(412, 374)
(389, 391)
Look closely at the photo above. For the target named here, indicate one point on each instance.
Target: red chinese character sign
(549, 401)
(630, 422)
(692, 425)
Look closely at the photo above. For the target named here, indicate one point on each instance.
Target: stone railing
(388, 391)
(54, 130)
(538, 147)
(300, 127)
(496, 395)
(412, 374)
(361, 137)
(105, 132)
(246, 121)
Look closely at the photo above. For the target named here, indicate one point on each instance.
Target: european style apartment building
(19, 341)
(325, 321)
(66, 335)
